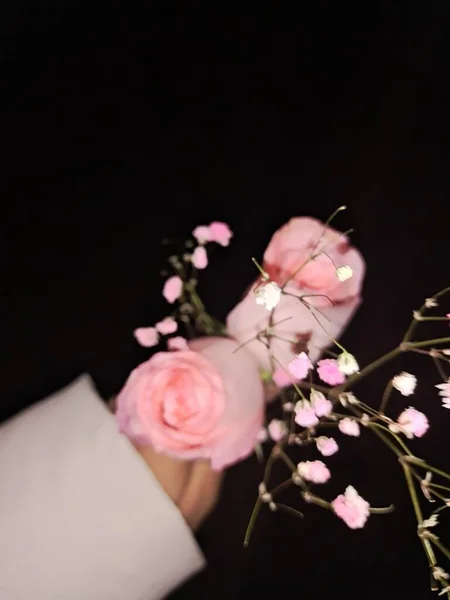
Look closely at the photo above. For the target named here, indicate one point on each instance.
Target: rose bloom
(288, 249)
(204, 402)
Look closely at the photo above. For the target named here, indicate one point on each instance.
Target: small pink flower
(305, 415)
(328, 371)
(202, 234)
(146, 336)
(200, 258)
(277, 429)
(314, 470)
(220, 233)
(349, 427)
(326, 446)
(322, 407)
(281, 378)
(413, 423)
(262, 435)
(299, 366)
(351, 508)
(167, 326)
(172, 289)
(177, 343)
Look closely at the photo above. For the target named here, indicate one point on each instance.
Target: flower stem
(426, 343)
(251, 524)
(441, 547)
(371, 367)
(385, 398)
(418, 512)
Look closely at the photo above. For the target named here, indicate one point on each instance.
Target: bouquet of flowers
(205, 395)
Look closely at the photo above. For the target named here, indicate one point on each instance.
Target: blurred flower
(444, 390)
(314, 470)
(344, 272)
(405, 383)
(220, 233)
(268, 295)
(412, 423)
(299, 366)
(172, 289)
(304, 414)
(349, 427)
(167, 326)
(277, 429)
(347, 363)
(281, 378)
(202, 234)
(326, 446)
(200, 258)
(146, 336)
(351, 508)
(322, 407)
(329, 372)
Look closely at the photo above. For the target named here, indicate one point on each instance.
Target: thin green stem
(255, 512)
(371, 367)
(441, 547)
(435, 470)
(289, 510)
(426, 343)
(418, 512)
(385, 397)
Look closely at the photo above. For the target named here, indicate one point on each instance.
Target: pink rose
(292, 245)
(204, 402)
(177, 343)
(289, 247)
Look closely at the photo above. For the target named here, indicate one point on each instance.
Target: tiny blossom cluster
(351, 508)
(277, 429)
(405, 383)
(344, 272)
(411, 422)
(445, 393)
(314, 470)
(349, 426)
(300, 366)
(149, 336)
(308, 412)
(268, 295)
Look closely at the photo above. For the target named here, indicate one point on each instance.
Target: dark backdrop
(123, 122)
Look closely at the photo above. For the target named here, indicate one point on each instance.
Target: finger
(201, 494)
(173, 475)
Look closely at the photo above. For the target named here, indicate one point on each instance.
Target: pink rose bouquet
(203, 397)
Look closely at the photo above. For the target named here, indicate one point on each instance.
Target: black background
(122, 123)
